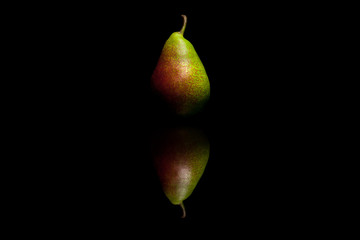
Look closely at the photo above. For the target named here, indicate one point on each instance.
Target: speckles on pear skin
(180, 76)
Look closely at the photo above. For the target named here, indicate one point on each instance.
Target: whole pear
(180, 156)
(180, 77)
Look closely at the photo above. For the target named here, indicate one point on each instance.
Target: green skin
(180, 157)
(180, 77)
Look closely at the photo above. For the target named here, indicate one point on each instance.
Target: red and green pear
(180, 77)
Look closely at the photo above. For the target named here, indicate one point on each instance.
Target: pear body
(180, 77)
(180, 156)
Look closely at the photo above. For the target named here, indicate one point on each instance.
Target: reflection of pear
(180, 156)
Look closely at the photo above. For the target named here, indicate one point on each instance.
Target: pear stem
(183, 210)
(184, 25)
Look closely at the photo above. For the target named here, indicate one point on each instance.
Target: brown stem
(183, 209)
(184, 25)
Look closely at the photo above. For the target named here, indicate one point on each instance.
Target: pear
(180, 77)
(180, 156)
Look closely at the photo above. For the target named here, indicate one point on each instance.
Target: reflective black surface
(100, 115)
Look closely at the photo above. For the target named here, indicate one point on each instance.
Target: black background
(93, 64)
